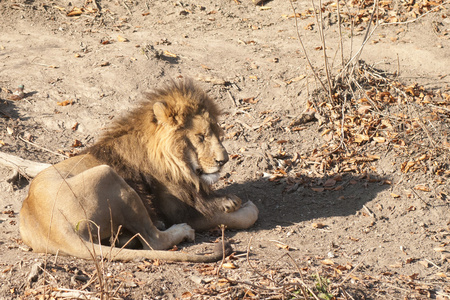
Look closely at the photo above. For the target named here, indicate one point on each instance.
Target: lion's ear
(160, 111)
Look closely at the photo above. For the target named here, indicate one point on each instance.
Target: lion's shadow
(281, 204)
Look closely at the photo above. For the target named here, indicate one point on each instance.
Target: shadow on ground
(280, 205)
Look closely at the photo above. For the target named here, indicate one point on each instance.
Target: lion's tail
(123, 254)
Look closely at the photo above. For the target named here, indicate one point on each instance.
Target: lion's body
(153, 166)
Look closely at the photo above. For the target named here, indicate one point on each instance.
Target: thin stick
(222, 228)
(340, 31)
(366, 38)
(319, 21)
(303, 47)
(126, 6)
(42, 148)
(232, 98)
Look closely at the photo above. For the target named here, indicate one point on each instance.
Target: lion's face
(187, 124)
(206, 152)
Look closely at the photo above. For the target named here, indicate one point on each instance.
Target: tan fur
(154, 166)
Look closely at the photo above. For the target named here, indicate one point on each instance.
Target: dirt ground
(365, 217)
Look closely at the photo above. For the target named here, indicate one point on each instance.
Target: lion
(152, 169)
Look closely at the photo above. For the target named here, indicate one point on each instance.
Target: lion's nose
(223, 160)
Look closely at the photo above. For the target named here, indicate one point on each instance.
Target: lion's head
(178, 138)
(186, 121)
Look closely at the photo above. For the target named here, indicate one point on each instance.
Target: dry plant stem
(366, 38)
(42, 148)
(126, 6)
(420, 198)
(303, 284)
(352, 271)
(93, 255)
(303, 48)
(222, 228)
(319, 21)
(341, 43)
(282, 286)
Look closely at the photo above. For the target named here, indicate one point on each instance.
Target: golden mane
(138, 143)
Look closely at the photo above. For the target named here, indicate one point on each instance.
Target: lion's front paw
(183, 231)
(231, 203)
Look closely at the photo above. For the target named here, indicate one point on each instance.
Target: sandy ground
(375, 229)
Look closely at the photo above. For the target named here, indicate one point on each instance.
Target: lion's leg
(107, 197)
(242, 218)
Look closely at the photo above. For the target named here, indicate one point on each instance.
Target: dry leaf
(282, 246)
(424, 263)
(397, 265)
(229, 265)
(169, 54)
(250, 100)
(359, 138)
(411, 208)
(122, 39)
(318, 225)
(330, 182)
(327, 262)
(65, 103)
(439, 249)
(320, 189)
(422, 188)
(76, 11)
(410, 260)
(379, 139)
(77, 143)
(364, 109)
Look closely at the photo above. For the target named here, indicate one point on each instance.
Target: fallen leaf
(250, 100)
(318, 225)
(327, 262)
(229, 265)
(76, 11)
(424, 263)
(65, 103)
(439, 249)
(77, 143)
(169, 54)
(379, 139)
(411, 208)
(397, 265)
(122, 39)
(422, 188)
(329, 183)
(282, 246)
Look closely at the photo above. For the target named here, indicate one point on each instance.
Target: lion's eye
(201, 138)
